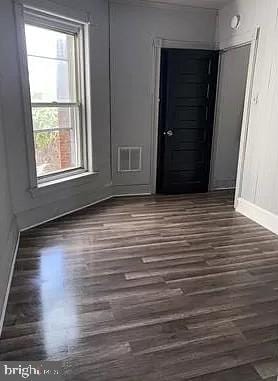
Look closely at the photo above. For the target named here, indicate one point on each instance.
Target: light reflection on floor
(59, 320)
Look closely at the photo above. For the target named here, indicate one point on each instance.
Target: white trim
(222, 184)
(87, 95)
(246, 113)
(238, 39)
(54, 105)
(46, 20)
(115, 191)
(178, 44)
(76, 180)
(165, 5)
(71, 211)
(60, 176)
(25, 94)
(222, 188)
(131, 194)
(11, 271)
(213, 186)
(54, 9)
(158, 44)
(111, 159)
(261, 216)
(131, 190)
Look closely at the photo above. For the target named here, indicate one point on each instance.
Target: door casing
(159, 43)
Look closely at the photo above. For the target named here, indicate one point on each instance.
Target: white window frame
(28, 15)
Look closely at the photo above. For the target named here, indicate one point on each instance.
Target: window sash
(55, 129)
(71, 28)
(79, 139)
(55, 104)
(50, 21)
(76, 69)
(63, 174)
(65, 22)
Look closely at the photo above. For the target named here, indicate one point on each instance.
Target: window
(55, 56)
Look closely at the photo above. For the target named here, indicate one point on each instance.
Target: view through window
(53, 78)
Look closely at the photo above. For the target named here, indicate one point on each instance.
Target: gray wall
(28, 208)
(231, 95)
(17, 204)
(260, 180)
(132, 32)
(133, 29)
(8, 228)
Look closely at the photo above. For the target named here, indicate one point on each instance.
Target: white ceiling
(215, 4)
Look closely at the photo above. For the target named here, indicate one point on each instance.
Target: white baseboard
(131, 190)
(38, 216)
(261, 216)
(12, 247)
(223, 184)
(49, 212)
(222, 189)
(71, 211)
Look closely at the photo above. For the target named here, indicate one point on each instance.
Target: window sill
(62, 183)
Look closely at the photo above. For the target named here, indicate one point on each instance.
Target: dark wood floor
(148, 289)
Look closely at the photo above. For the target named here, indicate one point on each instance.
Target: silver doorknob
(169, 133)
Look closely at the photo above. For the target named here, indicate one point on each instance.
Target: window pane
(55, 136)
(51, 65)
(43, 42)
(56, 86)
(54, 117)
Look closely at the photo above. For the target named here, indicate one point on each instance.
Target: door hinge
(209, 68)
(208, 91)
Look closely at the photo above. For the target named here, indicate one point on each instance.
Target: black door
(187, 101)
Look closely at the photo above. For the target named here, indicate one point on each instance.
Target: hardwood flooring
(160, 288)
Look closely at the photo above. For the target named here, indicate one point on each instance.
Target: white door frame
(159, 43)
(253, 41)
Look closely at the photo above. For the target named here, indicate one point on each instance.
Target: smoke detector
(235, 22)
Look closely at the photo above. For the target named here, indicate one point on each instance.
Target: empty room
(139, 190)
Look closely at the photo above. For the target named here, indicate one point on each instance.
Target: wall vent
(129, 159)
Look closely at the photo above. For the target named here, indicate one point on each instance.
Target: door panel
(232, 88)
(187, 101)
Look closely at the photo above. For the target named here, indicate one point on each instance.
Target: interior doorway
(188, 82)
(232, 80)
(185, 161)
